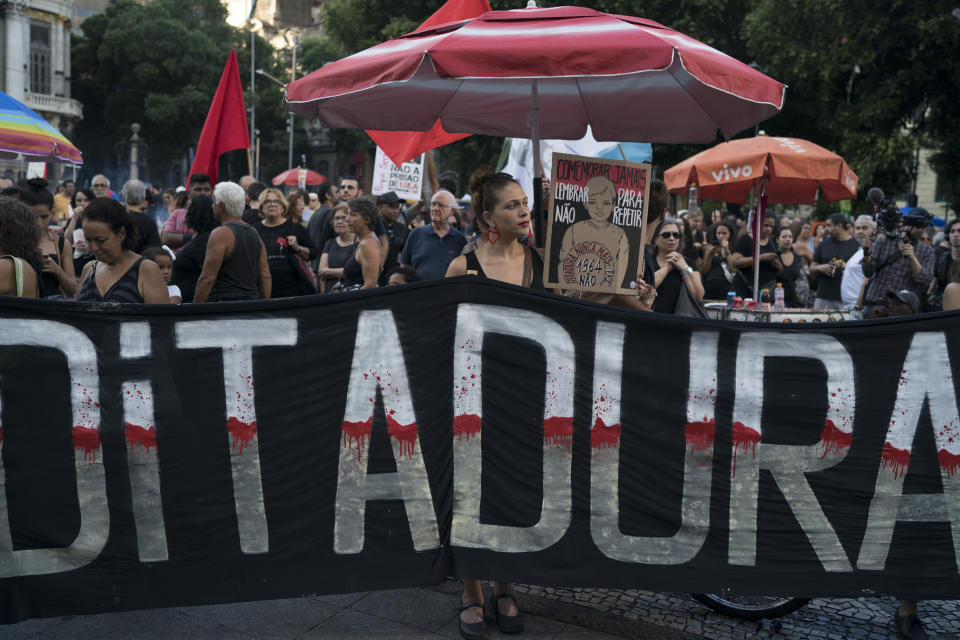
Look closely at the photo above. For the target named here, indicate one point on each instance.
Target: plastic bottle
(778, 304)
(693, 199)
(765, 300)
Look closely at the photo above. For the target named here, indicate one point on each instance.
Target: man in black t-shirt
(829, 260)
(742, 260)
(388, 205)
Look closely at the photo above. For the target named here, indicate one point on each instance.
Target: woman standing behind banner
(57, 277)
(285, 240)
(296, 203)
(189, 263)
(673, 271)
(502, 215)
(19, 249)
(793, 275)
(118, 274)
(337, 251)
(74, 231)
(713, 266)
(362, 269)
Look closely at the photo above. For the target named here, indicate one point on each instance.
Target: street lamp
(289, 122)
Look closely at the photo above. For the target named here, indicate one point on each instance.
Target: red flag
(225, 128)
(401, 146)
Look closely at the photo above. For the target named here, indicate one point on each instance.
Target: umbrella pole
(757, 233)
(539, 217)
(757, 227)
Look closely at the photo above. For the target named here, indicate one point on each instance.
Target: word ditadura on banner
(193, 447)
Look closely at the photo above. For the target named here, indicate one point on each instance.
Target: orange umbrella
(795, 168)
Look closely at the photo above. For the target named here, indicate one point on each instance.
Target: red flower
(282, 241)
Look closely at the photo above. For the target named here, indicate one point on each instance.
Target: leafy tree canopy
(158, 64)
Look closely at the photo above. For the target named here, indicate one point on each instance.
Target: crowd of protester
(336, 239)
(248, 241)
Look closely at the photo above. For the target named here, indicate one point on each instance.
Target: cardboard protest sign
(406, 180)
(596, 224)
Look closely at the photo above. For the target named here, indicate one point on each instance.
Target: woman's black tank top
(123, 290)
(536, 264)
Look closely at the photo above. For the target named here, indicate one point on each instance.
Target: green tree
(869, 81)
(158, 64)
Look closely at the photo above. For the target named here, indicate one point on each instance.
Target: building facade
(36, 64)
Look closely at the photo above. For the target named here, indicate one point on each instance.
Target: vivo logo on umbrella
(728, 173)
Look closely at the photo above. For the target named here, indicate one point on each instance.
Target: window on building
(40, 57)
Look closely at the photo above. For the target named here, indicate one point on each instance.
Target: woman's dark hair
(200, 216)
(87, 193)
(291, 213)
(712, 231)
(687, 246)
(114, 215)
(34, 191)
(409, 273)
(367, 209)
(656, 234)
(657, 201)
(19, 234)
(487, 196)
(181, 199)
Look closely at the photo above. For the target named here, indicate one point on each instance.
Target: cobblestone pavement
(834, 618)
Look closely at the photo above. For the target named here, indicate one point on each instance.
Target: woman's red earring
(493, 235)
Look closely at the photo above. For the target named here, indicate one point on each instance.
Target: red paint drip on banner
(358, 432)
(834, 440)
(405, 434)
(699, 435)
(949, 462)
(603, 436)
(896, 459)
(467, 425)
(558, 431)
(146, 437)
(746, 437)
(243, 433)
(87, 439)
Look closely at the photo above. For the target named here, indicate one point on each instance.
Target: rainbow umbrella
(24, 133)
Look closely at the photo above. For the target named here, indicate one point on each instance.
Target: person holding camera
(829, 259)
(713, 266)
(898, 259)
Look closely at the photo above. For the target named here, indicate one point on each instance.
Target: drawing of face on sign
(601, 197)
(595, 252)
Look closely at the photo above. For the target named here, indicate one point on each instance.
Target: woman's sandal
(506, 624)
(472, 630)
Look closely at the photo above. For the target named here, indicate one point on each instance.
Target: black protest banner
(214, 453)
(595, 229)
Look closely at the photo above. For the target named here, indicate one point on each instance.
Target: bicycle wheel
(750, 607)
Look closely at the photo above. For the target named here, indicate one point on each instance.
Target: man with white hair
(864, 228)
(134, 195)
(430, 249)
(100, 185)
(235, 265)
